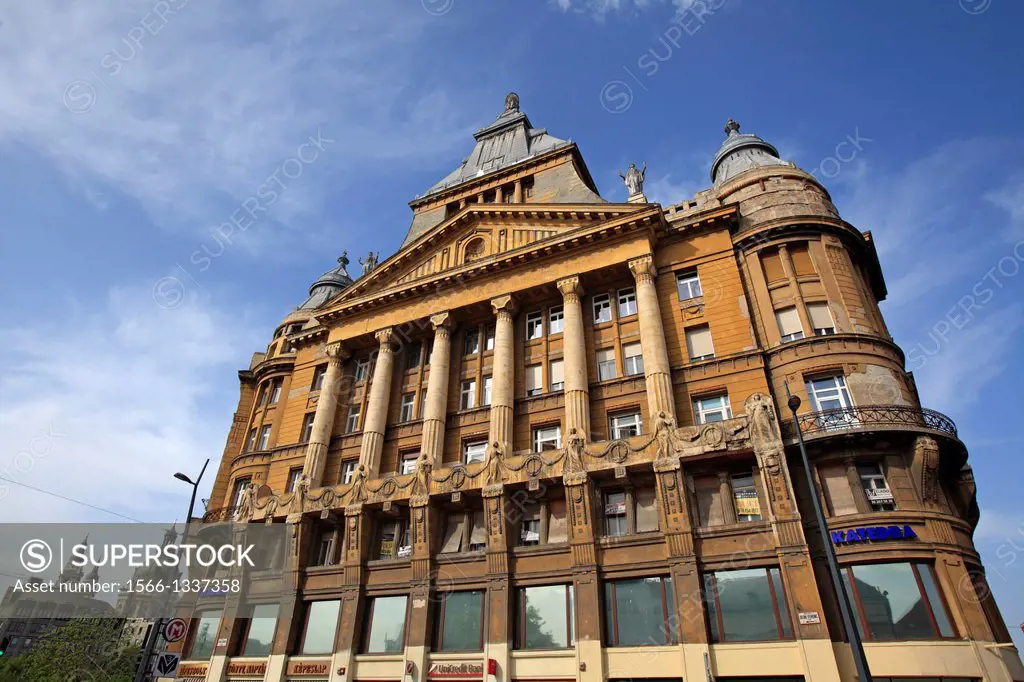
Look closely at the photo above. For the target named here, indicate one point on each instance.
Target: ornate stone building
(542, 441)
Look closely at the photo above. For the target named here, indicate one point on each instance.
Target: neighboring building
(26, 617)
(547, 440)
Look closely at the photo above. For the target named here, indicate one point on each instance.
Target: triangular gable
(480, 232)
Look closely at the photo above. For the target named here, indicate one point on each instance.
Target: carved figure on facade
(357, 493)
(764, 426)
(665, 433)
(494, 464)
(512, 102)
(634, 179)
(299, 496)
(421, 482)
(926, 455)
(575, 447)
(247, 504)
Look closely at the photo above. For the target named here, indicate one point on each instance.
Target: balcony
(871, 418)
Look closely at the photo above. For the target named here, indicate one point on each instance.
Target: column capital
(503, 304)
(337, 352)
(643, 269)
(384, 337)
(441, 321)
(570, 288)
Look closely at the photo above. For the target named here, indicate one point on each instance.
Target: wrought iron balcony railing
(220, 515)
(866, 417)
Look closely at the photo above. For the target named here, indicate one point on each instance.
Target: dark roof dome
(742, 152)
(328, 285)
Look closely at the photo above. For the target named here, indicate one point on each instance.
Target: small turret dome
(742, 152)
(328, 284)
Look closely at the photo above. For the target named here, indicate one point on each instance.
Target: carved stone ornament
(494, 464)
(247, 504)
(357, 493)
(764, 425)
(421, 483)
(575, 446)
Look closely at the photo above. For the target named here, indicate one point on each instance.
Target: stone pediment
(479, 233)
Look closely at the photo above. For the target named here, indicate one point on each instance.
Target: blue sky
(131, 131)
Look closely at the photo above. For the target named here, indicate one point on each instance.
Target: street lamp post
(846, 609)
(154, 632)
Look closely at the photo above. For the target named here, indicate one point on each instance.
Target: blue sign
(872, 533)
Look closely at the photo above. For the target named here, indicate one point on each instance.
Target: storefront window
(321, 624)
(205, 635)
(544, 617)
(897, 601)
(259, 634)
(639, 612)
(386, 625)
(460, 626)
(747, 605)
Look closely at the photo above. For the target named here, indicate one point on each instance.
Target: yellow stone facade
(576, 392)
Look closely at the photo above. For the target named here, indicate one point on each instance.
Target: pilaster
(377, 406)
(434, 414)
(503, 382)
(657, 372)
(326, 407)
(577, 391)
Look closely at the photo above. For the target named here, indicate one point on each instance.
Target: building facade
(547, 440)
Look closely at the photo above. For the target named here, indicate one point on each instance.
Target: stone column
(436, 410)
(574, 351)
(326, 408)
(657, 372)
(377, 405)
(503, 373)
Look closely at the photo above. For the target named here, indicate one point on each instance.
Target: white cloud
(189, 104)
(104, 406)
(599, 9)
(1010, 197)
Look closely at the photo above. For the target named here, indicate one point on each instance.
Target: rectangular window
(747, 605)
(293, 479)
(698, 343)
(711, 409)
(646, 509)
(533, 381)
(556, 320)
(460, 621)
(275, 391)
(306, 431)
(259, 630)
(454, 532)
(348, 470)
(897, 601)
(744, 495)
(544, 617)
(639, 612)
(251, 443)
(407, 462)
(627, 302)
(486, 397)
(830, 395)
(408, 407)
(362, 368)
(394, 538)
(615, 513)
(633, 359)
(688, 285)
(204, 636)
(385, 625)
(875, 487)
(472, 344)
(602, 309)
(547, 438)
(489, 338)
(821, 319)
(838, 492)
(264, 437)
(605, 364)
(801, 258)
(474, 451)
(413, 355)
(708, 490)
(771, 261)
(467, 395)
(790, 327)
(321, 625)
(352, 420)
(625, 424)
(529, 526)
(318, 377)
(556, 375)
(325, 548)
(534, 326)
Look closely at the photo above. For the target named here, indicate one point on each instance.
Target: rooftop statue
(511, 102)
(370, 264)
(634, 179)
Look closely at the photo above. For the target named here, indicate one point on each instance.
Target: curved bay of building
(547, 440)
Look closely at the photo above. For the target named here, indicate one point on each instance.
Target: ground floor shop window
(897, 601)
(747, 605)
(460, 621)
(639, 612)
(544, 617)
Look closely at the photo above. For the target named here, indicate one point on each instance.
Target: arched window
(474, 250)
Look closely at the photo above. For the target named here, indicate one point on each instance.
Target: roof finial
(731, 127)
(343, 260)
(511, 102)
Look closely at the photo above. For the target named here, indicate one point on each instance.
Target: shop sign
(442, 671)
(872, 534)
(249, 669)
(879, 494)
(317, 668)
(193, 670)
(746, 503)
(809, 617)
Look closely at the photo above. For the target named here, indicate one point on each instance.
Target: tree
(78, 651)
